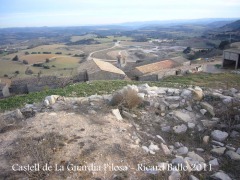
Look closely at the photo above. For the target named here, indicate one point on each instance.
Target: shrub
(46, 67)
(26, 53)
(15, 58)
(25, 62)
(47, 60)
(16, 72)
(127, 98)
(5, 75)
(28, 71)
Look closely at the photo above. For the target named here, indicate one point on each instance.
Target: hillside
(234, 26)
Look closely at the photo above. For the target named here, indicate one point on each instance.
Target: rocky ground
(173, 134)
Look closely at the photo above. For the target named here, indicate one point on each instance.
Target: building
(231, 59)
(100, 70)
(148, 72)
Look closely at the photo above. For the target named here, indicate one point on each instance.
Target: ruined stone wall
(35, 84)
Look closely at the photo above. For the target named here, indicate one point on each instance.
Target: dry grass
(128, 98)
(37, 58)
(39, 150)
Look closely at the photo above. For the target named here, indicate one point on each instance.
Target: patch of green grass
(224, 81)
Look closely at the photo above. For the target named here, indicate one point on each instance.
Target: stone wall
(35, 84)
(104, 75)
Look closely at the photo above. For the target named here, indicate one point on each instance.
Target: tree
(187, 50)
(223, 45)
(25, 62)
(15, 58)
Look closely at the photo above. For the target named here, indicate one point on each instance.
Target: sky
(31, 13)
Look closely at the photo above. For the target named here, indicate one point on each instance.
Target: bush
(25, 62)
(16, 72)
(28, 71)
(5, 75)
(46, 67)
(47, 60)
(26, 53)
(15, 58)
(127, 98)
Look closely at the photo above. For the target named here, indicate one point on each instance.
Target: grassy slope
(223, 81)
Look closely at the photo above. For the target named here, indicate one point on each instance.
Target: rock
(191, 125)
(174, 106)
(192, 177)
(165, 149)
(183, 116)
(161, 91)
(186, 93)
(141, 95)
(233, 155)
(233, 90)
(206, 139)
(107, 98)
(214, 163)
(218, 151)
(229, 147)
(178, 144)
(200, 128)
(195, 157)
(166, 128)
(145, 148)
(46, 103)
(52, 99)
(91, 111)
(128, 115)
(117, 114)
(189, 108)
(180, 129)
(217, 143)
(18, 114)
(159, 137)
(234, 134)
(199, 149)
(219, 135)
(178, 161)
(197, 93)
(182, 150)
(238, 151)
(203, 111)
(208, 107)
(153, 147)
(162, 107)
(95, 98)
(170, 91)
(208, 123)
(220, 176)
(175, 175)
(173, 98)
(5, 91)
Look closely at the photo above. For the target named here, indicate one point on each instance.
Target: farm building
(158, 70)
(100, 70)
(231, 59)
(148, 71)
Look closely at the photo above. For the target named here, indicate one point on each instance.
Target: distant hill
(234, 26)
